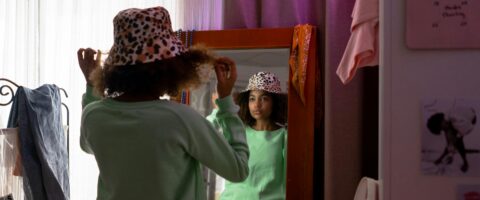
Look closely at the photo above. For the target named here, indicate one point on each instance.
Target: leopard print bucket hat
(143, 36)
(266, 81)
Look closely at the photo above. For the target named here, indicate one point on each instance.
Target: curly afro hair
(162, 77)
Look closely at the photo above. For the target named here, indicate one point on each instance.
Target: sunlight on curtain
(18, 41)
(38, 44)
(201, 14)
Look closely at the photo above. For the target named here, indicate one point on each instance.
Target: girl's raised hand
(87, 62)
(226, 71)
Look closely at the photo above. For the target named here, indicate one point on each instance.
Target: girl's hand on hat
(87, 62)
(226, 71)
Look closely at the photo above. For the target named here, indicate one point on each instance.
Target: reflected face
(260, 105)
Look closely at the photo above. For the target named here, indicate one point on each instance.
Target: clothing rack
(8, 88)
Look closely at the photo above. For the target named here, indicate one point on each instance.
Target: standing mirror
(256, 50)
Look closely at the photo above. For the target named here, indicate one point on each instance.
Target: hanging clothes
(362, 48)
(10, 185)
(367, 189)
(37, 114)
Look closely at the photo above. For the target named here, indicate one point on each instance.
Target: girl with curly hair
(147, 147)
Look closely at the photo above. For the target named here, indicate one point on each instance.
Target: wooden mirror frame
(301, 118)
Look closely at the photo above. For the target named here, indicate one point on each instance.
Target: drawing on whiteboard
(442, 24)
(454, 11)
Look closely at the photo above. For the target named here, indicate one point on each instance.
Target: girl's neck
(261, 125)
(136, 98)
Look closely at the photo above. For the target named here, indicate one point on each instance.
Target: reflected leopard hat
(266, 81)
(143, 36)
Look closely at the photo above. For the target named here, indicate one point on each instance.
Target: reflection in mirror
(251, 61)
(304, 118)
(267, 148)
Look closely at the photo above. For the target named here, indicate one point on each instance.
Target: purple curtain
(353, 111)
(338, 27)
(271, 13)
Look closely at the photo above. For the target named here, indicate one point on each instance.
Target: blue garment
(37, 113)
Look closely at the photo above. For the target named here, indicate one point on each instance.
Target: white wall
(407, 76)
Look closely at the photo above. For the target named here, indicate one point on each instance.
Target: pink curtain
(271, 13)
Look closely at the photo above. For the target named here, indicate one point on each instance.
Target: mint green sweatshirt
(153, 149)
(267, 165)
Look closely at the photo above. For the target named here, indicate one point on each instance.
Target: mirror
(249, 62)
(303, 116)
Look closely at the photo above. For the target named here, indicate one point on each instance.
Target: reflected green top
(267, 166)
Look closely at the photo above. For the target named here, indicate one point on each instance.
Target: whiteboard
(433, 24)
